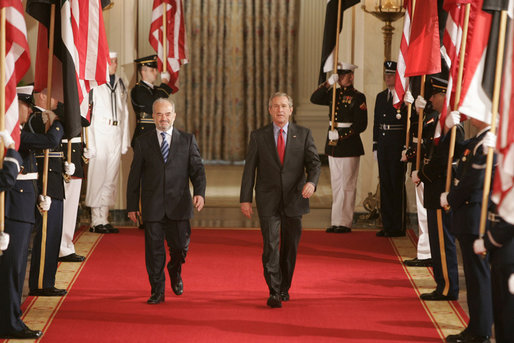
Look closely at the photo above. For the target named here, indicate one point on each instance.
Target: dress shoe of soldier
(48, 292)
(331, 229)
(177, 286)
(274, 301)
(415, 262)
(343, 229)
(467, 337)
(111, 229)
(23, 334)
(436, 296)
(155, 298)
(99, 229)
(141, 226)
(72, 258)
(284, 296)
(380, 233)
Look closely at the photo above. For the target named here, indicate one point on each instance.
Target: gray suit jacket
(280, 185)
(164, 187)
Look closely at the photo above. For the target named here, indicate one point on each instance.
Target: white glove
(404, 156)
(408, 98)
(4, 240)
(333, 79)
(489, 141)
(443, 200)
(165, 76)
(69, 168)
(479, 247)
(48, 115)
(90, 152)
(44, 202)
(420, 102)
(333, 135)
(6, 137)
(452, 119)
(375, 155)
(511, 283)
(414, 177)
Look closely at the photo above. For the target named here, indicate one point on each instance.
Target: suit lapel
(272, 146)
(175, 137)
(291, 140)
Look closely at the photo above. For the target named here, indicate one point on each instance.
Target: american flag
(402, 83)
(17, 62)
(175, 37)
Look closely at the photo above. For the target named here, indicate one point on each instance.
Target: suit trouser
(69, 216)
(177, 234)
(53, 243)
(279, 261)
(99, 215)
(13, 265)
(423, 240)
(478, 286)
(446, 274)
(343, 179)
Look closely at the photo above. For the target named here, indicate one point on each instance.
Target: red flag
(175, 37)
(401, 85)
(423, 56)
(17, 62)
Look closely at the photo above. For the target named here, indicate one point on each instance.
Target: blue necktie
(165, 148)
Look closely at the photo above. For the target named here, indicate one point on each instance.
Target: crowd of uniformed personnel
(489, 280)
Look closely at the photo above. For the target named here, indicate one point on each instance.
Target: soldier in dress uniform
(343, 145)
(388, 141)
(465, 202)
(145, 93)
(433, 175)
(55, 191)
(20, 217)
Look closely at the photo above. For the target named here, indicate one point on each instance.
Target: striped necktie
(165, 148)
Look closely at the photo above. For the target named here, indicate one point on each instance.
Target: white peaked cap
(25, 90)
(346, 66)
(113, 54)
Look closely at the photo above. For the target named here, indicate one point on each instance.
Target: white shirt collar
(148, 83)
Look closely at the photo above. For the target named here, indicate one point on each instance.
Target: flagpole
(46, 151)
(495, 106)
(164, 39)
(2, 110)
(420, 124)
(336, 58)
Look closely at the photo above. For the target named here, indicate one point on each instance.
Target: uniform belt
(28, 176)
(144, 115)
(73, 140)
(145, 121)
(109, 122)
(340, 125)
(52, 154)
(389, 127)
(493, 217)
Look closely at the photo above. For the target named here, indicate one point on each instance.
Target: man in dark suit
(281, 153)
(165, 159)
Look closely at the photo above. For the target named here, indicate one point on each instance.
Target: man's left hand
(69, 168)
(198, 202)
(308, 190)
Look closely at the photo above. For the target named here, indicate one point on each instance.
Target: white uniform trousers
(99, 215)
(423, 241)
(69, 218)
(343, 178)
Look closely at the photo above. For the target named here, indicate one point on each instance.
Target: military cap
(149, 61)
(390, 67)
(25, 94)
(345, 68)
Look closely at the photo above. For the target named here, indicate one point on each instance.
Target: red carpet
(348, 288)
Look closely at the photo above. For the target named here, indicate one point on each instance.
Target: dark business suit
(278, 193)
(165, 199)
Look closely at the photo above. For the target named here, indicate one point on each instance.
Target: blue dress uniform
(143, 96)
(465, 200)
(55, 189)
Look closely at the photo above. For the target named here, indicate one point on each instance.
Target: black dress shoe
(141, 226)
(331, 229)
(274, 301)
(23, 334)
(381, 233)
(436, 296)
(415, 262)
(467, 337)
(155, 298)
(72, 258)
(111, 229)
(47, 292)
(284, 296)
(98, 229)
(177, 286)
(343, 229)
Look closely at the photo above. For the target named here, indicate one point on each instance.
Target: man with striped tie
(165, 159)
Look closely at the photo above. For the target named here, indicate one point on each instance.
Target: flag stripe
(402, 82)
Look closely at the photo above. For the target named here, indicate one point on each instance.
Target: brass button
(21, 190)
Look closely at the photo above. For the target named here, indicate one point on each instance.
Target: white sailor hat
(25, 94)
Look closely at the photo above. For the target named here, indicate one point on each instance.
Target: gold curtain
(240, 52)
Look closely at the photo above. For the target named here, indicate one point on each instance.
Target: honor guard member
(145, 93)
(388, 141)
(465, 203)
(54, 196)
(433, 175)
(343, 146)
(20, 217)
(108, 139)
(73, 175)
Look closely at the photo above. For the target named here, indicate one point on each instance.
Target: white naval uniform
(109, 136)
(343, 178)
(423, 242)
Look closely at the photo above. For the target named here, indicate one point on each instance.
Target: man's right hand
(90, 152)
(408, 98)
(420, 103)
(50, 116)
(333, 79)
(7, 139)
(246, 208)
(133, 216)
